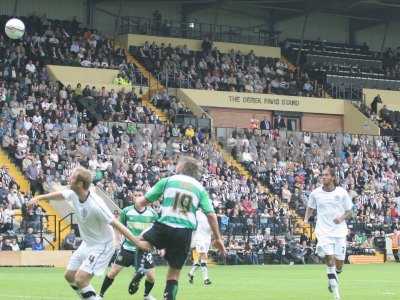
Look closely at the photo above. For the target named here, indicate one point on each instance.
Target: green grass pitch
(358, 282)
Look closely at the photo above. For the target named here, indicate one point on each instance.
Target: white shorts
(201, 246)
(332, 246)
(91, 259)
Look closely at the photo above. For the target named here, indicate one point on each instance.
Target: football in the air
(15, 28)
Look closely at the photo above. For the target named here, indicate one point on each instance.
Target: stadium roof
(375, 11)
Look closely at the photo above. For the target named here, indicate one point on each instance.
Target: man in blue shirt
(37, 245)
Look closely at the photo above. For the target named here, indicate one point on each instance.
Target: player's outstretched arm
(46, 197)
(138, 241)
(219, 243)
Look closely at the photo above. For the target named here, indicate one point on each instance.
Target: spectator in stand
(212, 70)
(265, 124)
(7, 245)
(38, 244)
(29, 239)
(15, 245)
(70, 241)
(374, 104)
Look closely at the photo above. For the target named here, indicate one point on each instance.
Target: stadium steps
(153, 82)
(233, 162)
(366, 259)
(14, 172)
(301, 227)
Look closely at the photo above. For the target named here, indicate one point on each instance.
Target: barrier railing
(40, 224)
(62, 228)
(197, 30)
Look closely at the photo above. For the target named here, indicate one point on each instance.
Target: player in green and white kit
(180, 196)
(136, 220)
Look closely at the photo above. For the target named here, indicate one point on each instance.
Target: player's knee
(173, 274)
(151, 277)
(69, 276)
(81, 280)
(113, 273)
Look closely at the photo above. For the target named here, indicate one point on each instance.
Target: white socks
(194, 268)
(204, 270)
(88, 293)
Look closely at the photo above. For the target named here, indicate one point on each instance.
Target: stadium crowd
(48, 41)
(290, 165)
(211, 69)
(49, 134)
(20, 226)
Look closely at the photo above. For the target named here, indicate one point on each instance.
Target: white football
(15, 28)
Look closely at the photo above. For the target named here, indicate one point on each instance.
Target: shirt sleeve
(348, 204)
(156, 191)
(69, 195)
(205, 203)
(312, 201)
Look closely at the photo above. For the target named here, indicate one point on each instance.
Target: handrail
(62, 229)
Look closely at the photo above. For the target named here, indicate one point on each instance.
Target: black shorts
(138, 259)
(175, 241)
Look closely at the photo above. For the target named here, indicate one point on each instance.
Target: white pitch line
(2, 296)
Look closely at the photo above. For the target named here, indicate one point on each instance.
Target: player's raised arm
(152, 195)
(46, 197)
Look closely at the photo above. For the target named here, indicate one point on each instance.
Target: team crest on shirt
(84, 213)
(337, 198)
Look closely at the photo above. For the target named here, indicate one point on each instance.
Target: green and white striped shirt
(136, 222)
(181, 197)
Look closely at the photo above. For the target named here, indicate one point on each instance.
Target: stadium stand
(210, 69)
(48, 131)
(344, 70)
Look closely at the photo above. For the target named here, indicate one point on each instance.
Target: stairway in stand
(300, 226)
(153, 82)
(14, 172)
(24, 185)
(233, 162)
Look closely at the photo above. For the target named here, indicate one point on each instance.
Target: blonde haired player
(333, 206)
(201, 242)
(96, 223)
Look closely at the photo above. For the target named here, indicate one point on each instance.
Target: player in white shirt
(201, 241)
(333, 206)
(96, 223)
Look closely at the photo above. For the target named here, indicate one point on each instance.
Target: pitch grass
(369, 282)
